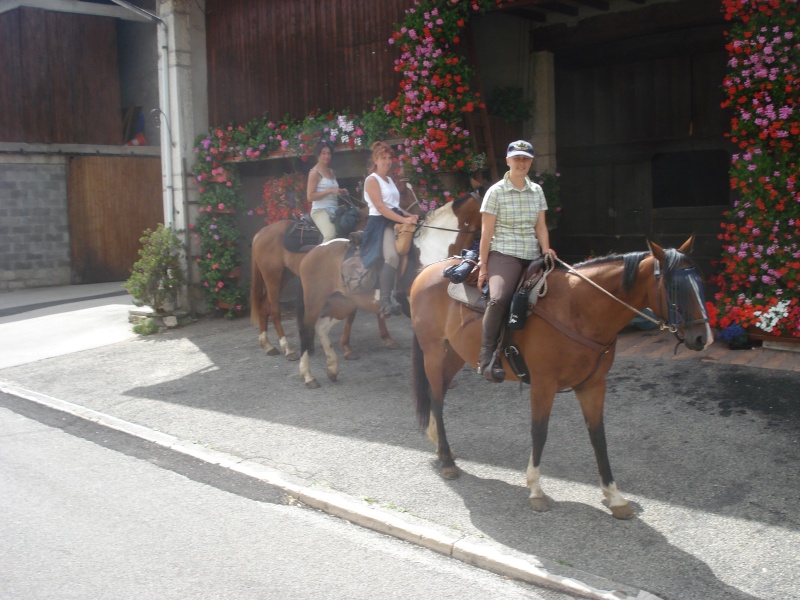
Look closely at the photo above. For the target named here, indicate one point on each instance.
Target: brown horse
(326, 301)
(272, 266)
(567, 342)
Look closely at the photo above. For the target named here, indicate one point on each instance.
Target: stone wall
(34, 223)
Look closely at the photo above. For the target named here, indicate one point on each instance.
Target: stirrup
(493, 371)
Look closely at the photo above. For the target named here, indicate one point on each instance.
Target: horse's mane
(440, 213)
(631, 260)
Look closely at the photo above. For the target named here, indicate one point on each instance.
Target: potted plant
(509, 105)
(157, 276)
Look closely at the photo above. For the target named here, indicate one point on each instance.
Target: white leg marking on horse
(305, 372)
(323, 328)
(433, 431)
(284, 343)
(532, 476)
(612, 495)
(264, 341)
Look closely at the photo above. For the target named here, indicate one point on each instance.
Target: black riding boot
(490, 367)
(386, 280)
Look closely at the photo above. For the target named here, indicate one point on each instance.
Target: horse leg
(541, 405)
(323, 328)
(440, 368)
(344, 341)
(385, 335)
(274, 296)
(591, 399)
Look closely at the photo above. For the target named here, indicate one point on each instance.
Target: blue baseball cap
(520, 148)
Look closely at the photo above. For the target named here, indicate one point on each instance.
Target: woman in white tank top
(323, 191)
(383, 198)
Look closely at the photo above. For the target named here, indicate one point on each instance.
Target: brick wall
(34, 224)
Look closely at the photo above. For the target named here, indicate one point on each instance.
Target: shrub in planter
(157, 276)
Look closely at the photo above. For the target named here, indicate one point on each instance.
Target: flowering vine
(758, 275)
(435, 91)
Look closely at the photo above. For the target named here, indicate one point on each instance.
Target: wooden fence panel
(112, 200)
(292, 56)
(11, 98)
(60, 78)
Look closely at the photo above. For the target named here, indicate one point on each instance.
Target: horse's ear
(657, 251)
(688, 246)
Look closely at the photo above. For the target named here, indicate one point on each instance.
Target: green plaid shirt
(517, 212)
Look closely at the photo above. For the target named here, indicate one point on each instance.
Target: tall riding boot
(386, 280)
(488, 365)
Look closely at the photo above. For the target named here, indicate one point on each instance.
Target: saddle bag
(346, 220)
(459, 273)
(302, 235)
(403, 236)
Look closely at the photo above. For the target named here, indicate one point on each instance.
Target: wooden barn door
(112, 200)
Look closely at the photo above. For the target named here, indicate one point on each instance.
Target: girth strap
(574, 335)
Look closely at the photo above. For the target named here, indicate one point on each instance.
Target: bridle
(679, 285)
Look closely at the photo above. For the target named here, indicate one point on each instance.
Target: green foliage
(378, 124)
(509, 104)
(146, 327)
(157, 276)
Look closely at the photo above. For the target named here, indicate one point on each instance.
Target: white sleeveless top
(389, 194)
(331, 200)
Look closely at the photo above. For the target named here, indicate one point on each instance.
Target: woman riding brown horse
(272, 267)
(327, 300)
(567, 342)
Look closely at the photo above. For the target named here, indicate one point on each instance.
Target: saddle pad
(467, 294)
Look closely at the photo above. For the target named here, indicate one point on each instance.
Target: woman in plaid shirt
(514, 232)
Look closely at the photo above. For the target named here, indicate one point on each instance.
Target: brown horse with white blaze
(567, 342)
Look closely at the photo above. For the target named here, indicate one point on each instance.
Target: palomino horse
(326, 301)
(567, 342)
(271, 268)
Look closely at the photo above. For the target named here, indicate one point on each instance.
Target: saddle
(533, 279)
(302, 235)
(356, 277)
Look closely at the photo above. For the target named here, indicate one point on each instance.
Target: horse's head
(467, 210)
(677, 298)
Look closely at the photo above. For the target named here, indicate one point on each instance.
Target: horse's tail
(422, 387)
(258, 291)
(306, 331)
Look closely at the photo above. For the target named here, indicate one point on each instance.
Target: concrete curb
(416, 531)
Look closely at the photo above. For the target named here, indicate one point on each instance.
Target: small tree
(157, 276)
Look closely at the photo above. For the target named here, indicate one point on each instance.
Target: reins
(662, 325)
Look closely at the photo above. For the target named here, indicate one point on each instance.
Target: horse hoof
(623, 512)
(451, 472)
(333, 376)
(392, 345)
(352, 356)
(292, 356)
(540, 504)
(272, 352)
(312, 385)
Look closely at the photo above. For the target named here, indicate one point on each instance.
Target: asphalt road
(92, 513)
(707, 453)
